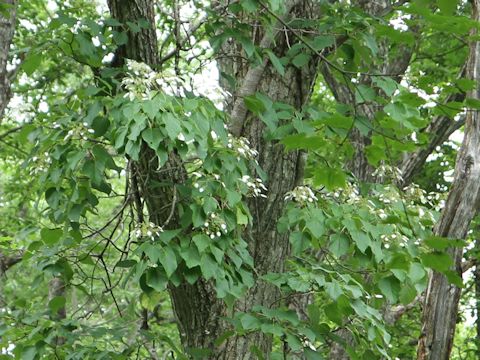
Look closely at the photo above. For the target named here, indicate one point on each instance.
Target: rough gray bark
(282, 170)
(7, 28)
(441, 300)
(476, 280)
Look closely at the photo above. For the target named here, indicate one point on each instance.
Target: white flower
(255, 187)
(301, 194)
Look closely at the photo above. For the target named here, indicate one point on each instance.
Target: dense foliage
(122, 181)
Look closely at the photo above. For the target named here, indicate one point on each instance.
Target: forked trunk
(441, 302)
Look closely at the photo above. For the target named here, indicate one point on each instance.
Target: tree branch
(440, 129)
(6, 262)
(253, 77)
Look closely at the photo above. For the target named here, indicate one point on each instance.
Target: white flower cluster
(401, 239)
(391, 172)
(149, 230)
(80, 131)
(414, 193)
(141, 79)
(255, 186)
(40, 163)
(200, 180)
(301, 194)
(242, 147)
(389, 195)
(215, 226)
(196, 182)
(350, 194)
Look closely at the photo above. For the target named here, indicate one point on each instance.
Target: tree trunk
(283, 171)
(7, 28)
(476, 275)
(441, 302)
(198, 310)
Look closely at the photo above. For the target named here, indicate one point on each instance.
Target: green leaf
(320, 42)
(250, 322)
(100, 125)
(437, 261)
(390, 287)
(253, 104)
(242, 219)
(32, 63)
(272, 329)
(191, 256)
(277, 64)
(465, 84)
(51, 236)
(301, 60)
(29, 353)
(454, 278)
(172, 125)
(202, 242)
(442, 243)
(294, 343)
(339, 244)
(57, 303)
(120, 38)
(316, 226)
(208, 266)
(156, 279)
(312, 355)
(361, 239)
(371, 43)
(167, 235)
(153, 137)
(168, 259)
(299, 242)
(447, 7)
(407, 294)
(126, 263)
(416, 272)
(473, 103)
(331, 178)
(333, 289)
(364, 94)
(387, 84)
(375, 154)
